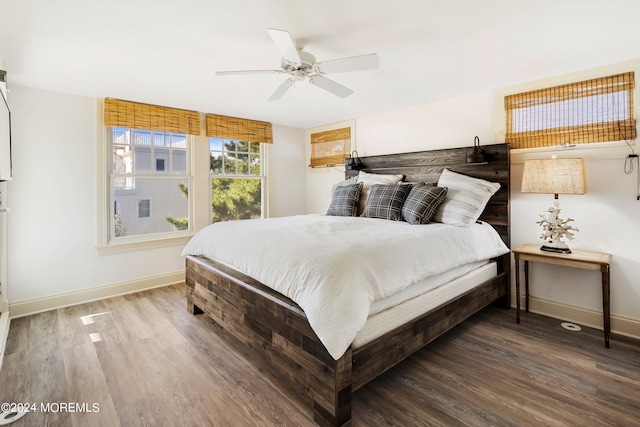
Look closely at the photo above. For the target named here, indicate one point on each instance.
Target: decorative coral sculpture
(554, 229)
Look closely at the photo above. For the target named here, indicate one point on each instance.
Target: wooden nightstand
(577, 259)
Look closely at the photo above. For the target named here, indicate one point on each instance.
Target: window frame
(105, 245)
(594, 150)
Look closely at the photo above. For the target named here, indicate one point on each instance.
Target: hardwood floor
(146, 361)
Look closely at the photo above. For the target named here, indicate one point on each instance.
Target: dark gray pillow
(345, 200)
(385, 201)
(422, 203)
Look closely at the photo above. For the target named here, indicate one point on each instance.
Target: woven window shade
(150, 117)
(330, 147)
(597, 110)
(239, 129)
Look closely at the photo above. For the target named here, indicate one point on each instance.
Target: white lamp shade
(554, 176)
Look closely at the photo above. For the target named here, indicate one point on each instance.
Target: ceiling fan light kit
(301, 65)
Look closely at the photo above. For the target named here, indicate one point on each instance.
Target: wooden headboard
(426, 166)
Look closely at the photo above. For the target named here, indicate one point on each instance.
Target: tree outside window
(236, 179)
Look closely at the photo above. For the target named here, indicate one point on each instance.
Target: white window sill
(596, 151)
(119, 247)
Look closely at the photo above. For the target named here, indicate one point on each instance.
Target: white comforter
(335, 267)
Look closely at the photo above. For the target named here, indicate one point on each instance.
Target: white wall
(52, 223)
(319, 183)
(608, 216)
(446, 124)
(287, 172)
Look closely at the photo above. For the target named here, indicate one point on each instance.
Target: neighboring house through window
(149, 169)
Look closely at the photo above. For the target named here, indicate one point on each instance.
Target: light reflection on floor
(90, 320)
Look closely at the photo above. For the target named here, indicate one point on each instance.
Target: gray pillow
(385, 201)
(368, 179)
(345, 200)
(422, 203)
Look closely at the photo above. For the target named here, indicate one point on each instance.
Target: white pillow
(368, 179)
(376, 178)
(465, 200)
(348, 181)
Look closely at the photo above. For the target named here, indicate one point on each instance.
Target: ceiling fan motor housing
(306, 64)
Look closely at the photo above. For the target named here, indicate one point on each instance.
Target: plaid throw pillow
(368, 179)
(385, 201)
(345, 200)
(422, 203)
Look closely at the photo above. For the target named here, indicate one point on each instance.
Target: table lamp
(554, 176)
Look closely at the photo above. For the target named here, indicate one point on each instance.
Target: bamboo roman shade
(150, 117)
(239, 129)
(597, 110)
(330, 147)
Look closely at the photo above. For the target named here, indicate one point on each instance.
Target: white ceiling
(166, 51)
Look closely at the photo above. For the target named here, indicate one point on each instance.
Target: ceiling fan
(301, 65)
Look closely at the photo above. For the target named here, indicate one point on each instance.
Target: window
(144, 208)
(149, 170)
(330, 147)
(596, 110)
(236, 148)
(236, 179)
(148, 165)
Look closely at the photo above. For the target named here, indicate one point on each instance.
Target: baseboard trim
(619, 325)
(38, 305)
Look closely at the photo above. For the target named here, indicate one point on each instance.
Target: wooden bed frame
(275, 327)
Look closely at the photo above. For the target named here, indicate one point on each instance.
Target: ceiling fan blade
(330, 86)
(353, 63)
(233, 73)
(285, 45)
(284, 87)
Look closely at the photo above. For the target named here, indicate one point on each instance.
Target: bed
(277, 328)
